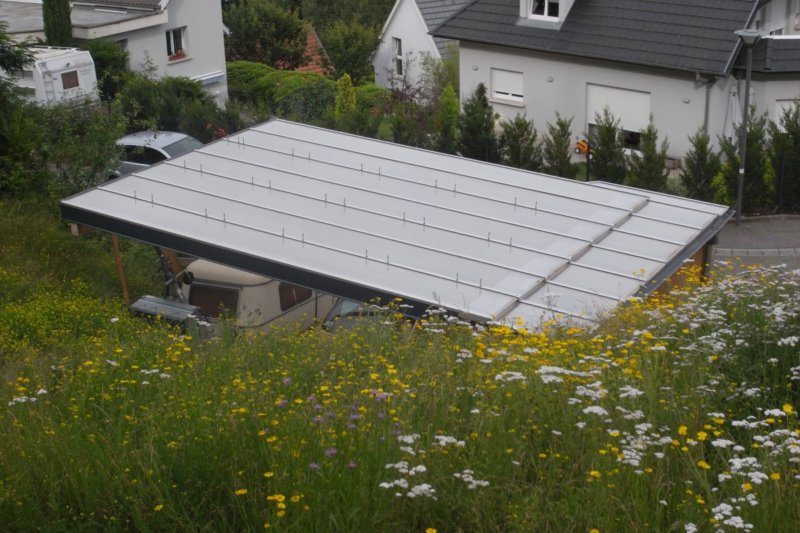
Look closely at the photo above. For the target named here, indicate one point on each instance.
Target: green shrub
(307, 102)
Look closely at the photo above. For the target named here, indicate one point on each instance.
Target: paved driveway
(760, 240)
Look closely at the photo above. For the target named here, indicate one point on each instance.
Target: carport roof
(359, 218)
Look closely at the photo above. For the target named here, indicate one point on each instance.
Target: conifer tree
(476, 136)
(700, 166)
(447, 121)
(557, 149)
(607, 142)
(57, 22)
(647, 168)
(518, 144)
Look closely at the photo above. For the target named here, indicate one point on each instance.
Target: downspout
(710, 81)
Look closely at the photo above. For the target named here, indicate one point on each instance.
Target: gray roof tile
(693, 35)
(774, 55)
(434, 12)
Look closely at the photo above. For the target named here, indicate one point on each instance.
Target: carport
(362, 218)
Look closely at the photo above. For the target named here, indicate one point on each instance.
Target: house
(318, 61)
(679, 62)
(167, 37)
(405, 39)
(361, 218)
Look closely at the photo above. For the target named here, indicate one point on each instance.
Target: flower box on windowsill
(178, 56)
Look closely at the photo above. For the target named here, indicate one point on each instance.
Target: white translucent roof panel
(355, 215)
(624, 264)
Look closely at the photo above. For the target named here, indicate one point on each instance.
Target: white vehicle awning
(362, 218)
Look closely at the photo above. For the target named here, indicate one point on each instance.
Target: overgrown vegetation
(677, 413)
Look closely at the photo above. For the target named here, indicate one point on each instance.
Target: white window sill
(178, 60)
(505, 101)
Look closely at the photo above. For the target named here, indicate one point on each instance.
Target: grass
(677, 414)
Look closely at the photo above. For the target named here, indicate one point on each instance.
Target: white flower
(595, 410)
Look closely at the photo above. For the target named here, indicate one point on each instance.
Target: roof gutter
(732, 59)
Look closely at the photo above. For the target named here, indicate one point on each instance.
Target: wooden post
(120, 270)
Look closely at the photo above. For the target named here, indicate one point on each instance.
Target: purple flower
(352, 465)
(287, 380)
(330, 452)
(283, 403)
(318, 419)
(313, 466)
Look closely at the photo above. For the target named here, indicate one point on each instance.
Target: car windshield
(181, 147)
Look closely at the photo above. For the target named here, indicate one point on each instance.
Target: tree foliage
(701, 165)
(349, 46)
(757, 191)
(557, 149)
(57, 22)
(446, 121)
(436, 74)
(519, 145)
(325, 13)
(647, 166)
(263, 31)
(111, 65)
(607, 141)
(786, 158)
(476, 135)
(345, 99)
(175, 104)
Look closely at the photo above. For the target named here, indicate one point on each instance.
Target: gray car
(145, 148)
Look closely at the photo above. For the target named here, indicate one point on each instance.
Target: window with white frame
(397, 50)
(176, 43)
(507, 86)
(544, 8)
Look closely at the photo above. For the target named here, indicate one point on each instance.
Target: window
(507, 86)
(544, 8)
(779, 31)
(397, 45)
(69, 80)
(143, 155)
(175, 43)
(292, 295)
(213, 301)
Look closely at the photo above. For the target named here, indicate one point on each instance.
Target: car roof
(156, 139)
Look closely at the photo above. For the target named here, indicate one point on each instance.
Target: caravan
(57, 75)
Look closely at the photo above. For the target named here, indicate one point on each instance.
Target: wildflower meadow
(677, 413)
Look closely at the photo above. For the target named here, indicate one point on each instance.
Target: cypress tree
(476, 136)
(57, 22)
(608, 148)
(557, 149)
(701, 165)
(648, 166)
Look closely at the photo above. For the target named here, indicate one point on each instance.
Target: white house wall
(779, 15)
(559, 84)
(777, 94)
(203, 41)
(407, 24)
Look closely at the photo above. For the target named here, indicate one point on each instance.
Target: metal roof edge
(758, 4)
(240, 260)
(674, 264)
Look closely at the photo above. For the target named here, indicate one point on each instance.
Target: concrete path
(767, 240)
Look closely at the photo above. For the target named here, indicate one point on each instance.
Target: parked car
(145, 148)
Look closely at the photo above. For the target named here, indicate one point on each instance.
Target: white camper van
(254, 301)
(57, 75)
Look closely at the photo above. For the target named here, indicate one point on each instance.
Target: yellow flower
(158, 507)
(702, 435)
(595, 474)
(704, 465)
(682, 430)
(747, 487)
(775, 476)
(269, 474)
(787, 408)
(430, 530)
(594, 530)
(240, 492)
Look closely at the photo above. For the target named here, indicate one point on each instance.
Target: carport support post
(120, 270)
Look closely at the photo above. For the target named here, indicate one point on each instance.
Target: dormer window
(544, 8)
